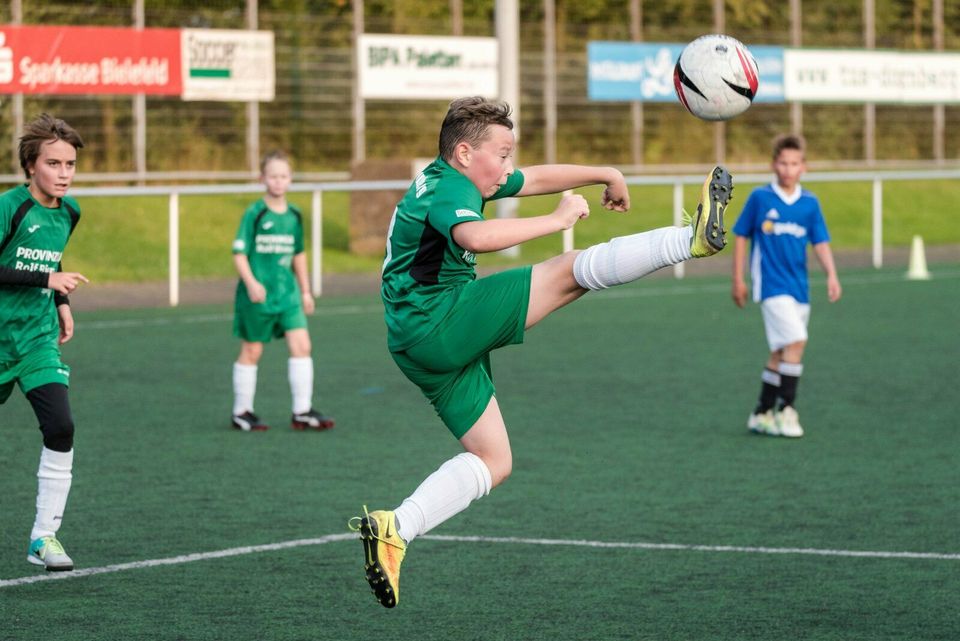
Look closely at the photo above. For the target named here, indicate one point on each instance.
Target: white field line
(331, 538)
(346, 310)
(175, 560)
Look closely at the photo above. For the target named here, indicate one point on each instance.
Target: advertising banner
(858, 76)
(221, 64)
(85, 60)
(643, 71)
(427, 67)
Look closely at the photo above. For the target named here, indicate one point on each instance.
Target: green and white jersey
(270, 240)
(424, 267)
(33, 238)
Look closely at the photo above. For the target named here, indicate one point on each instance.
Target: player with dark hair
(781, 219)
(443, 322)
(36, 221)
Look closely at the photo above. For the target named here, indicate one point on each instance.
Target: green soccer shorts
(40, 367)
(451, 366)
(254, 325)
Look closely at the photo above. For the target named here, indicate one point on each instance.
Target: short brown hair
(468, 120)
(276, 154)
(788, 141)
(45, 128)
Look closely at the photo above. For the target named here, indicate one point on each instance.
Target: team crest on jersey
(779, 229)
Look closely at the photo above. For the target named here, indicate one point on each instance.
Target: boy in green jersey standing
(443, 322)
(273, 299)
(36, 220)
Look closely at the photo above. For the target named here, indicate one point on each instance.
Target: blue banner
(643, 71)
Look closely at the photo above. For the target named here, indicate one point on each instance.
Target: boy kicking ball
(443, 322)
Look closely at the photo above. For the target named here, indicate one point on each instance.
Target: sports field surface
(639, 507)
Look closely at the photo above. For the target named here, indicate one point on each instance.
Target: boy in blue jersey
(781, 219)
(443, 322)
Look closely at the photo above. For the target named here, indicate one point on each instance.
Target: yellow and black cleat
(709, 236)
(383, 552)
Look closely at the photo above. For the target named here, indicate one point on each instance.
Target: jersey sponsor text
(779, 229)
(275, 243)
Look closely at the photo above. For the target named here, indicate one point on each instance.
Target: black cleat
(311, 420)
(248, 422)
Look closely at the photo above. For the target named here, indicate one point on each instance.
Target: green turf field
(639, 507)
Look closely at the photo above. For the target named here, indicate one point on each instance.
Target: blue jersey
(780, 226)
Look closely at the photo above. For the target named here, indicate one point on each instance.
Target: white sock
(300, 373)
(446, 492)
(244, 387)
(53, 486)
(627, 258)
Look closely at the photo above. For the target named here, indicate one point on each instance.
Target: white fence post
(678, 269)
(316, 225)
(877, 223)
(174, 249)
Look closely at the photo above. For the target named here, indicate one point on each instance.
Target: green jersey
(270, 240)
(424, 267)
(32, 238)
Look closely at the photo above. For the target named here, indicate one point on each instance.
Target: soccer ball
(716, 77)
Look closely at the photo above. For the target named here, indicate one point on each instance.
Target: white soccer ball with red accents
(716, 77)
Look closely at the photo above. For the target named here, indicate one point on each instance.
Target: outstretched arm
(552, 179)
(825, 256)
(481, 236)
(61, 282)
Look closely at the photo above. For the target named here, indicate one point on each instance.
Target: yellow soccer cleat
(383, 552)
(708, 232)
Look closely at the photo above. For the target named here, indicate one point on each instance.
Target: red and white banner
(89, 60)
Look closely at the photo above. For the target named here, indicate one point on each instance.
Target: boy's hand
(308, 303)
(616, 196)
(65, 282)
(256, 292)
(66, 324)
(834, 291)
(572, 208)
(739, 293)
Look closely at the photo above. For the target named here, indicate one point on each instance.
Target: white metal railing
(316, 189)
(173, 192)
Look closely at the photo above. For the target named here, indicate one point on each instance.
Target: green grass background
(124, 239)
(626, 413)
